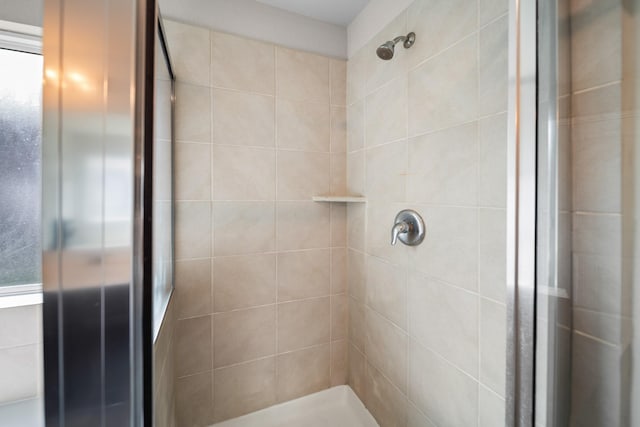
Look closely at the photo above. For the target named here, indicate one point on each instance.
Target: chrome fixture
(408, 227)
(386, 50)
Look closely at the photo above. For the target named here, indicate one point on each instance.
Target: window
(20, 164)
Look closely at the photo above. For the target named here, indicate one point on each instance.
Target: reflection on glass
(20, 158)
(162, 187)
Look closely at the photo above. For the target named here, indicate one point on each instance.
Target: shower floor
(335, 407)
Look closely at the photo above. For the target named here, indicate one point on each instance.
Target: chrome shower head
(386, 50)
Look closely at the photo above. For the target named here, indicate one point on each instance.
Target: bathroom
(266, 213)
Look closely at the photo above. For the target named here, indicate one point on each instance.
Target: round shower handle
(408, 227)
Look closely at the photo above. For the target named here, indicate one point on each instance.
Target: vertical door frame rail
(521, 213)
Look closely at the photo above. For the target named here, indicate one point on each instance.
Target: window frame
(26, 39)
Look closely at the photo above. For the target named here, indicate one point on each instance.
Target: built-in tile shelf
(347, 198)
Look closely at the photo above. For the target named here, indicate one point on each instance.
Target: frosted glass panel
(20, 158)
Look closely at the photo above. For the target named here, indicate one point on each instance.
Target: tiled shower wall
(21, 369)
(260, 269)
(427, 130)
(602, 289)
(163, 371)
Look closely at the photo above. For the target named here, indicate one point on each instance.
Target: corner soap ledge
(347, 198)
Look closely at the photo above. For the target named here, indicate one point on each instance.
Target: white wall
(251, 19)
(373, 18)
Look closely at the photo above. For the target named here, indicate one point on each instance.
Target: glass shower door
(587, 287)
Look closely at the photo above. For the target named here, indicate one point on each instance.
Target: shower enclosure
(573, 283)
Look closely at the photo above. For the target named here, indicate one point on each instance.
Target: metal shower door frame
(521, 213)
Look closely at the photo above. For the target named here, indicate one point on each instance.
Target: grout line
(477, 213)
(594, 88)
(444, 359)
(275, 216)
(440, 52)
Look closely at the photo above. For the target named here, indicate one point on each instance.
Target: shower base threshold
(335, 407)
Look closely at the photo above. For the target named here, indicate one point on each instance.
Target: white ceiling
(339, 12)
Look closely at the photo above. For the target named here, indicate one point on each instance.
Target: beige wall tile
(338, 81)
(339, 316)
(338, 224)
(493, 348)
(356, 172)
(20, 326)
(386, 348)
(438, 25)
(355, 126)
(193, 345)
(386, 113)
(597, 162)
(338, 129)
(338, 184)
(387, 290)
(244, 281)
(610, 328)
(244, 335)
(356, 77)
(595, 234)
(304, 274)
(242, 173)
(357, 372)
(303, 372)
(597, 264)
(492, 409)
(194, 400)
(338, 271)
(432, 382)
(240, 63)
(192, 230)
(492, 161)
(596, 43)
(356, 273)
(450, 253)
(445, 319)
(303, 324)
(192, 171)
(357, 324)
(193, 287)
(443, 167)
(597, 103)
(449, 82)
(193, 113)
(303, 125)
(232, 220)
(385, 401)
(491, 9)
(19, 367)
(303, 225)
(598, 283)
(302, 76)
(596, 382)
(244, 388)
(492, 271)
(386, 169)
(493, 82)
(356, 229)
(241, 118)
(190, 52)
(301, 175)
(415, 418)
(339, 362)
